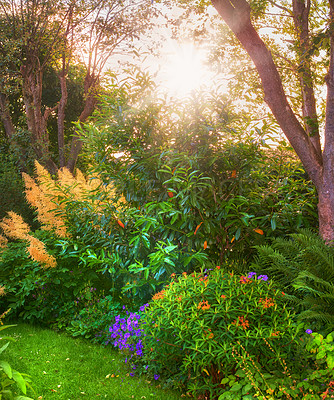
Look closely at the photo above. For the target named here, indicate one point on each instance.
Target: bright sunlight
(184, 70)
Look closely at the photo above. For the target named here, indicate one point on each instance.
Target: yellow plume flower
(14, 227)
(37, 252)
(43, 197)
(3, 242)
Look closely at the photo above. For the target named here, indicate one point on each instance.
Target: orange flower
(275, 333)
(241, 321)
(179, 298)
(204, 305)
(184, 273)
(209, 334)
(159, 295)
(172, 276)
(218, 267)
(223, 296)
(205, 280)
(267, 302)
(205, 245)
(244, 279)
(170, 194)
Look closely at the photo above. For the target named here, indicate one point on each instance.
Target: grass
(64, 368)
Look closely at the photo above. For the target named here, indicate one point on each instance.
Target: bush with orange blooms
(194, 326)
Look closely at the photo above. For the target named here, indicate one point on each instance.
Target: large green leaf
(21, 383)
(4, 347)
(7, 368)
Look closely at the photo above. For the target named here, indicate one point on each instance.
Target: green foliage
(134, 250)
(11, 185)
(195, 156)
(47, 295)
(93, 317)
(9, 377)
(308, 377)
(303, 265)
(196, 326)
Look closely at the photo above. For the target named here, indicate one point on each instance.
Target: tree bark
(61, 117)
(326, 191)
(301, 15)
(91, 101)
(5, 116)
(36, 120)
(305, 141)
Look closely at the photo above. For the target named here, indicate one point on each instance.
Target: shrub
(312, 381)
(195, 325)
(248, 191)
(93, 316)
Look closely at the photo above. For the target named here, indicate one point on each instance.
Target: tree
(36, 35)
(302, 132)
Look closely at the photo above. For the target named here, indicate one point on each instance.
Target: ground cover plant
(64, 368)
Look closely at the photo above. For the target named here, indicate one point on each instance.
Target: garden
(166, 244)
(176, 265)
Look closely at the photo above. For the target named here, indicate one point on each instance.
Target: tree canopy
(39, 35)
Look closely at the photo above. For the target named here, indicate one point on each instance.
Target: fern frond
(304, 265)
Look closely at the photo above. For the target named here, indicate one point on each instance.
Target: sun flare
(184, 70)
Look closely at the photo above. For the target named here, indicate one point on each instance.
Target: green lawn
(64, 368)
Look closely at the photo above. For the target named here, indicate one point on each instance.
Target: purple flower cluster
(126, 332)
(259, 278)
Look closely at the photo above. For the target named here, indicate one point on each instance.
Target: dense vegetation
(163, 248)
(186, 241)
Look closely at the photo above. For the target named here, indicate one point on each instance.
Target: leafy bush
(93, 318)
(195, 326)
(35, 293)
(11, 184)
(303, 264)
(313, 379)
(203, 165)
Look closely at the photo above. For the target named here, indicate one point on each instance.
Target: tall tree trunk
(5, 116)
(305, 141)
(301, 15)
(91, 101)
(61, 116)
(36, 120)
(326, 191)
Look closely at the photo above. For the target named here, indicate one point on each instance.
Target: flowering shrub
(309, 377)
(195, 326)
